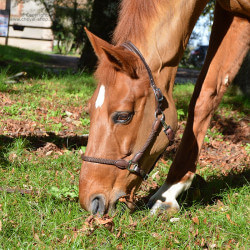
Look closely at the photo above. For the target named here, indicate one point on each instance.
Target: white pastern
(165, 197)
(100, 98)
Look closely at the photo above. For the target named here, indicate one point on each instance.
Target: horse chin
(113, 203)
(122, 199)
(130, 205)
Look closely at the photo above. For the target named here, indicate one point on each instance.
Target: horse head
(122, 111)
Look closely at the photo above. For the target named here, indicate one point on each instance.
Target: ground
(43, 127)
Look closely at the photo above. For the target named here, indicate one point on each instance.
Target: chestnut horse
(131, 123)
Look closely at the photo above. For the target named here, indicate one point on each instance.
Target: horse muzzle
(100, 204)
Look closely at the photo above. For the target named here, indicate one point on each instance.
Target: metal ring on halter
(161, 113)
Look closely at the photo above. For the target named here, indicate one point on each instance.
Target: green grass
(51, 216)
(46, 102)
(182, 94)
(34, 64)
(231, 102)
(19, 60)
(3, 78)
(8, 53)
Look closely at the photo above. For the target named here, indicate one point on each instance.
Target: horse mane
(132, 24)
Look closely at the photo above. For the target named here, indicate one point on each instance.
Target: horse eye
(122, 117)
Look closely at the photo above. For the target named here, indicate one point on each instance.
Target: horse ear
(97, 43)
(122, 60)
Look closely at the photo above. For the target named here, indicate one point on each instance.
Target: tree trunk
(102, 24)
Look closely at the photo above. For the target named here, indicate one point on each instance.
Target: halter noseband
(133, 165)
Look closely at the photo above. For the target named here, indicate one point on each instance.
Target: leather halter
(133, 165)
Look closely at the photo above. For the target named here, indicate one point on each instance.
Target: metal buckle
(164, 124)
(160, 113)
(136, 170)
(158, 94)
(134, 167)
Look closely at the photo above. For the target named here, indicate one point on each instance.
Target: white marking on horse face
(100, 98)
(165, 197)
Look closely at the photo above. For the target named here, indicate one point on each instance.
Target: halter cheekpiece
(133, 165)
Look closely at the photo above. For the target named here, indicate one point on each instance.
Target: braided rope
(98, 160)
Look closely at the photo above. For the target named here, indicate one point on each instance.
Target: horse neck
(160, 30)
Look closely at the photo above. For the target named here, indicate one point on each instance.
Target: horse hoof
(171, 207)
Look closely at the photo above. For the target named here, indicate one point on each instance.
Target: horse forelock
(105, 73)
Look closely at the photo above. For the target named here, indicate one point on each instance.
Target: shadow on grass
(237, 102)
(35, 64)
(205, 193)
(3, 151)
(35, 69)
(36, 142)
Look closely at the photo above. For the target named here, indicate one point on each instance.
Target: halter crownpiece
(157, 92)
(133, 165)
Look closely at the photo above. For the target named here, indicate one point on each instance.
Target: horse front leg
(229, 44)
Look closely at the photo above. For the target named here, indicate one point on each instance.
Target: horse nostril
(98, 205)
